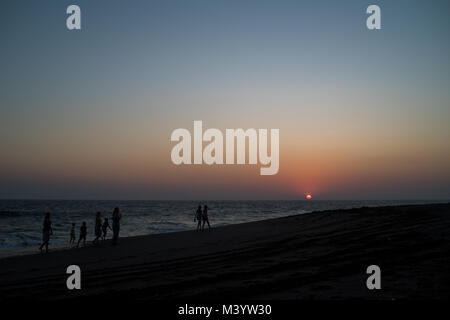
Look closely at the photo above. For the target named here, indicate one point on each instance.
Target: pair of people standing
(103, 227)
(201, 216)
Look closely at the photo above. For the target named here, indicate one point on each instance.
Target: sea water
(21, 220)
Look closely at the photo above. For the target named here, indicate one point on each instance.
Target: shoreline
(317, 255)
(33, 250)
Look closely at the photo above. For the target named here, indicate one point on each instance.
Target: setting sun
(308, 196)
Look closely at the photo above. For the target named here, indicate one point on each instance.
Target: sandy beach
(321, 255)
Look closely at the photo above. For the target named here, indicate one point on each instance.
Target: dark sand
(322, 255)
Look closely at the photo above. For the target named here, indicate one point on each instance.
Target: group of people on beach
(102, 226)
(101, 230)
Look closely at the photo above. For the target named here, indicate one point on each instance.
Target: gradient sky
(88, 114)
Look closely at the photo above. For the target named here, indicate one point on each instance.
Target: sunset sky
(88, 114)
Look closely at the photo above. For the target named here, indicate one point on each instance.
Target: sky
(88, 114)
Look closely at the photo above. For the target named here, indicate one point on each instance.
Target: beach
(319, 255)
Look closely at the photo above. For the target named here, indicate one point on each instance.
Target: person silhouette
(105, 227)
(198, 217)
(205, 217)
(83, 234)
(116, 225)
(46, 232)
(98, 228)
(72, 234)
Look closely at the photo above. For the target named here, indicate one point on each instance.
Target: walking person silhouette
(83, 234)
(205, 217)
(198, 217)
(98, 228)
(72, 234)
(46, 232)
(105, 228)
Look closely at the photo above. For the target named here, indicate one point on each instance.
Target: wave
(8, 214)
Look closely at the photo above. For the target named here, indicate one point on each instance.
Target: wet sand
(321, 255)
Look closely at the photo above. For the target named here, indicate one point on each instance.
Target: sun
(308, 196)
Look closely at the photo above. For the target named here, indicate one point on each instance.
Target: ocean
(21, 220)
